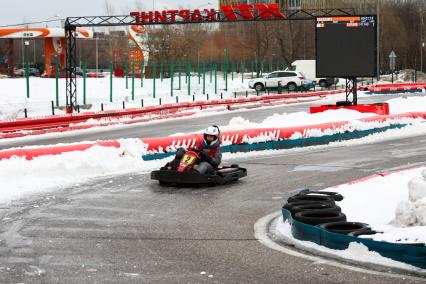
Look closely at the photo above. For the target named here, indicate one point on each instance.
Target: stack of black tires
(318, 208)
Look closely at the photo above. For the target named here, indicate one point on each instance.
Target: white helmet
(213, 131)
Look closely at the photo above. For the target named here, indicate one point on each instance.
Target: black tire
(310, 197)
(315, 206)
(336, 196)
(259, 87)
(344, 227)
(323, 83)
(362, 232)
(234, 166)
(289, 206)
(291, 87)
(316, 217)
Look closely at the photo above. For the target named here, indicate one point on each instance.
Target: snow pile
(380, 197)
(20, 177)
(281, 120)
(296, 119)
(407, 104)
(412, 212)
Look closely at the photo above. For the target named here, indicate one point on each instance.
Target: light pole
(96, 39)
(27, 69)
(422, 43)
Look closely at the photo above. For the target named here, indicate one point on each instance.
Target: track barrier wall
(238, 141)
(396, 87)
(66, 119)
(379, 108)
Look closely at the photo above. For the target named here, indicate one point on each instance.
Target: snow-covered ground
(384, 201)
(13, 98)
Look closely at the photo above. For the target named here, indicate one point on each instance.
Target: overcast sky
(19, 11)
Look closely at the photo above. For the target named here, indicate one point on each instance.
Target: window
(273, 75)
(287, 74)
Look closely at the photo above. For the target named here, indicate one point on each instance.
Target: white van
(307, 67)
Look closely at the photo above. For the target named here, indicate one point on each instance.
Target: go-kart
(186, 174)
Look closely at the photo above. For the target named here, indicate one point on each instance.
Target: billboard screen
(346, 46)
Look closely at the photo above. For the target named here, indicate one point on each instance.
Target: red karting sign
(228, 13)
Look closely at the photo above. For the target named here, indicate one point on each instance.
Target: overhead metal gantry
(227, 14)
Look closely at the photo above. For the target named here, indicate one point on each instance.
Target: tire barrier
(315, 206)
(345, 227)
(289, 206)
(321, 227)
(336, 196)
(363, 233)
(310, 197)
(316, 217)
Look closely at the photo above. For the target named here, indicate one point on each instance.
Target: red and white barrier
(394, 87)
(52, 121)
(167, 144)
(380, 108)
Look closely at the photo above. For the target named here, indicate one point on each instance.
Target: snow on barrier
(30, 153)
(396, 87)
(51, 121)
(244, 140)
(411, 254)
(66, 119)
(282, 138)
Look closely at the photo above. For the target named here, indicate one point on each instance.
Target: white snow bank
(276, 120)
(380, 198)
(295, 119)
(412, 212)
(407, 104)
(20, 177)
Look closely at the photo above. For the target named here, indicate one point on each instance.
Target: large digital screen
(346, 46)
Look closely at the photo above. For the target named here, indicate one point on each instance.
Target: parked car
(32, 72)
(292, 80)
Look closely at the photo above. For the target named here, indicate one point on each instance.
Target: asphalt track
(127, 229)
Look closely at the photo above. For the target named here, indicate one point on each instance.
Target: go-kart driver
(209, 150)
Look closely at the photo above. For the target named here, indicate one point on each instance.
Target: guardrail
(64, 120)
(397, 87)
(241, 140)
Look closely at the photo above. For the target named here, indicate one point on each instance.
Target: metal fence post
(84, 82)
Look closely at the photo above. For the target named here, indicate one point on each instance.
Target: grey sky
(18, 11)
